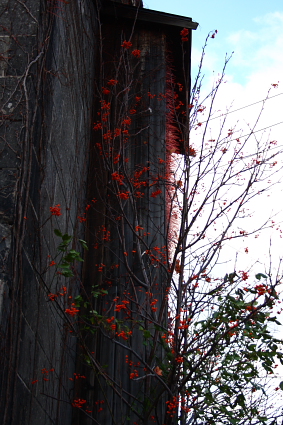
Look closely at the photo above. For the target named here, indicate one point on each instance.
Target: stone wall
(47, 65)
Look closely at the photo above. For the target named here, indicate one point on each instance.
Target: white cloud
(256, 64)
(258, 51)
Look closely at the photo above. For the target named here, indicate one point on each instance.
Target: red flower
(118, 177)
(117, 133)
(184, 34)
(134, 374)
(123, 335)
(81, 219)
(112, 82)
(139, 194)
(97, 126)
(72, 311)
(78, 403)
(105, 105)
(157, 192)
(123, 195)
(55, 210)
(126, 44)
(52, 264)
(136, 53)
(127, 121)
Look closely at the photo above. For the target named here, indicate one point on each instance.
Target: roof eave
(121, 10)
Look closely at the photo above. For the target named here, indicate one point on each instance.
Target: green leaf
(240, 400)
(251, 347)
(281, 385)
(72, 256)
(260, 275)
(78, 300)
(58, 233)
(84, 244)
(146, 334)
(68, 273)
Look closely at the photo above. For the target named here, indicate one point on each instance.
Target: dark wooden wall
(50, 70)
(144, 150)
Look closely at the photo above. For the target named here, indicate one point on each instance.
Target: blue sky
(252, 29)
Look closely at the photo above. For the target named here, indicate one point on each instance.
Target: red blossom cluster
(98, 402)
(105, 105)
(172, 406)
(118, 177)
(127, 121)
(105, 90)
(122, 306)
(262, 289)
(56, 210)
(45, 373)
(81, 218)
(157, 192)
(123, 334)
(124, 195)
(112, 82)
(184, 34)
(136, 53)
(77, 376)
(63, 292)
(97, 126)
(72, 311)
(134, 374)
(152, 305)
(126, 44)
(184, 324)
(79, 402)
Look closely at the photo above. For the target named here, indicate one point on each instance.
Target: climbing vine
(191, 346)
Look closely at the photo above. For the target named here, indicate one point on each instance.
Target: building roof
(120, 10)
